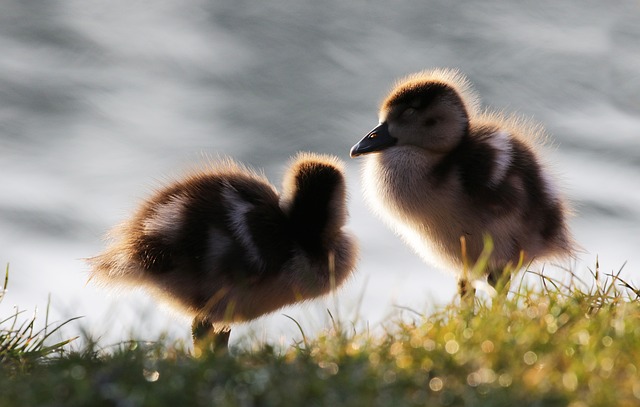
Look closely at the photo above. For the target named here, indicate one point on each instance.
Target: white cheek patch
(501, 144)
(238, 224)
(167, 219)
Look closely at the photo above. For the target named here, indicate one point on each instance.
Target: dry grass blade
(304, 337)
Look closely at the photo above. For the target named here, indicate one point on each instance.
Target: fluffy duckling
(223, 247)
(440, 172)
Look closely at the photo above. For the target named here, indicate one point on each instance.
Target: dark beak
(377, 139)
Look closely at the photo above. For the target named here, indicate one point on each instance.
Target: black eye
(408, 112)
(431, 121)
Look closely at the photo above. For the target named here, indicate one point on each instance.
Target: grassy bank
(551, 344)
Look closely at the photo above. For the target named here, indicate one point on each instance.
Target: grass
(21, 345)
(559, 343)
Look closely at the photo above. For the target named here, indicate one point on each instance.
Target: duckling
(444, 175)
(223, 247)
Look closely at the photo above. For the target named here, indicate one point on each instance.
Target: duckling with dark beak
(223, 247)
(440, 172)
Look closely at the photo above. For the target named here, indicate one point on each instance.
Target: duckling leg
(466, 291)
(209, 336)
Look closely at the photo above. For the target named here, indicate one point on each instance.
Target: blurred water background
(101, 100)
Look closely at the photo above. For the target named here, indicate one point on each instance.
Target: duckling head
(429, 110)
(314, 195)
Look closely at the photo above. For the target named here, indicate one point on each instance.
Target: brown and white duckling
(438, 170)
(222, 246)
